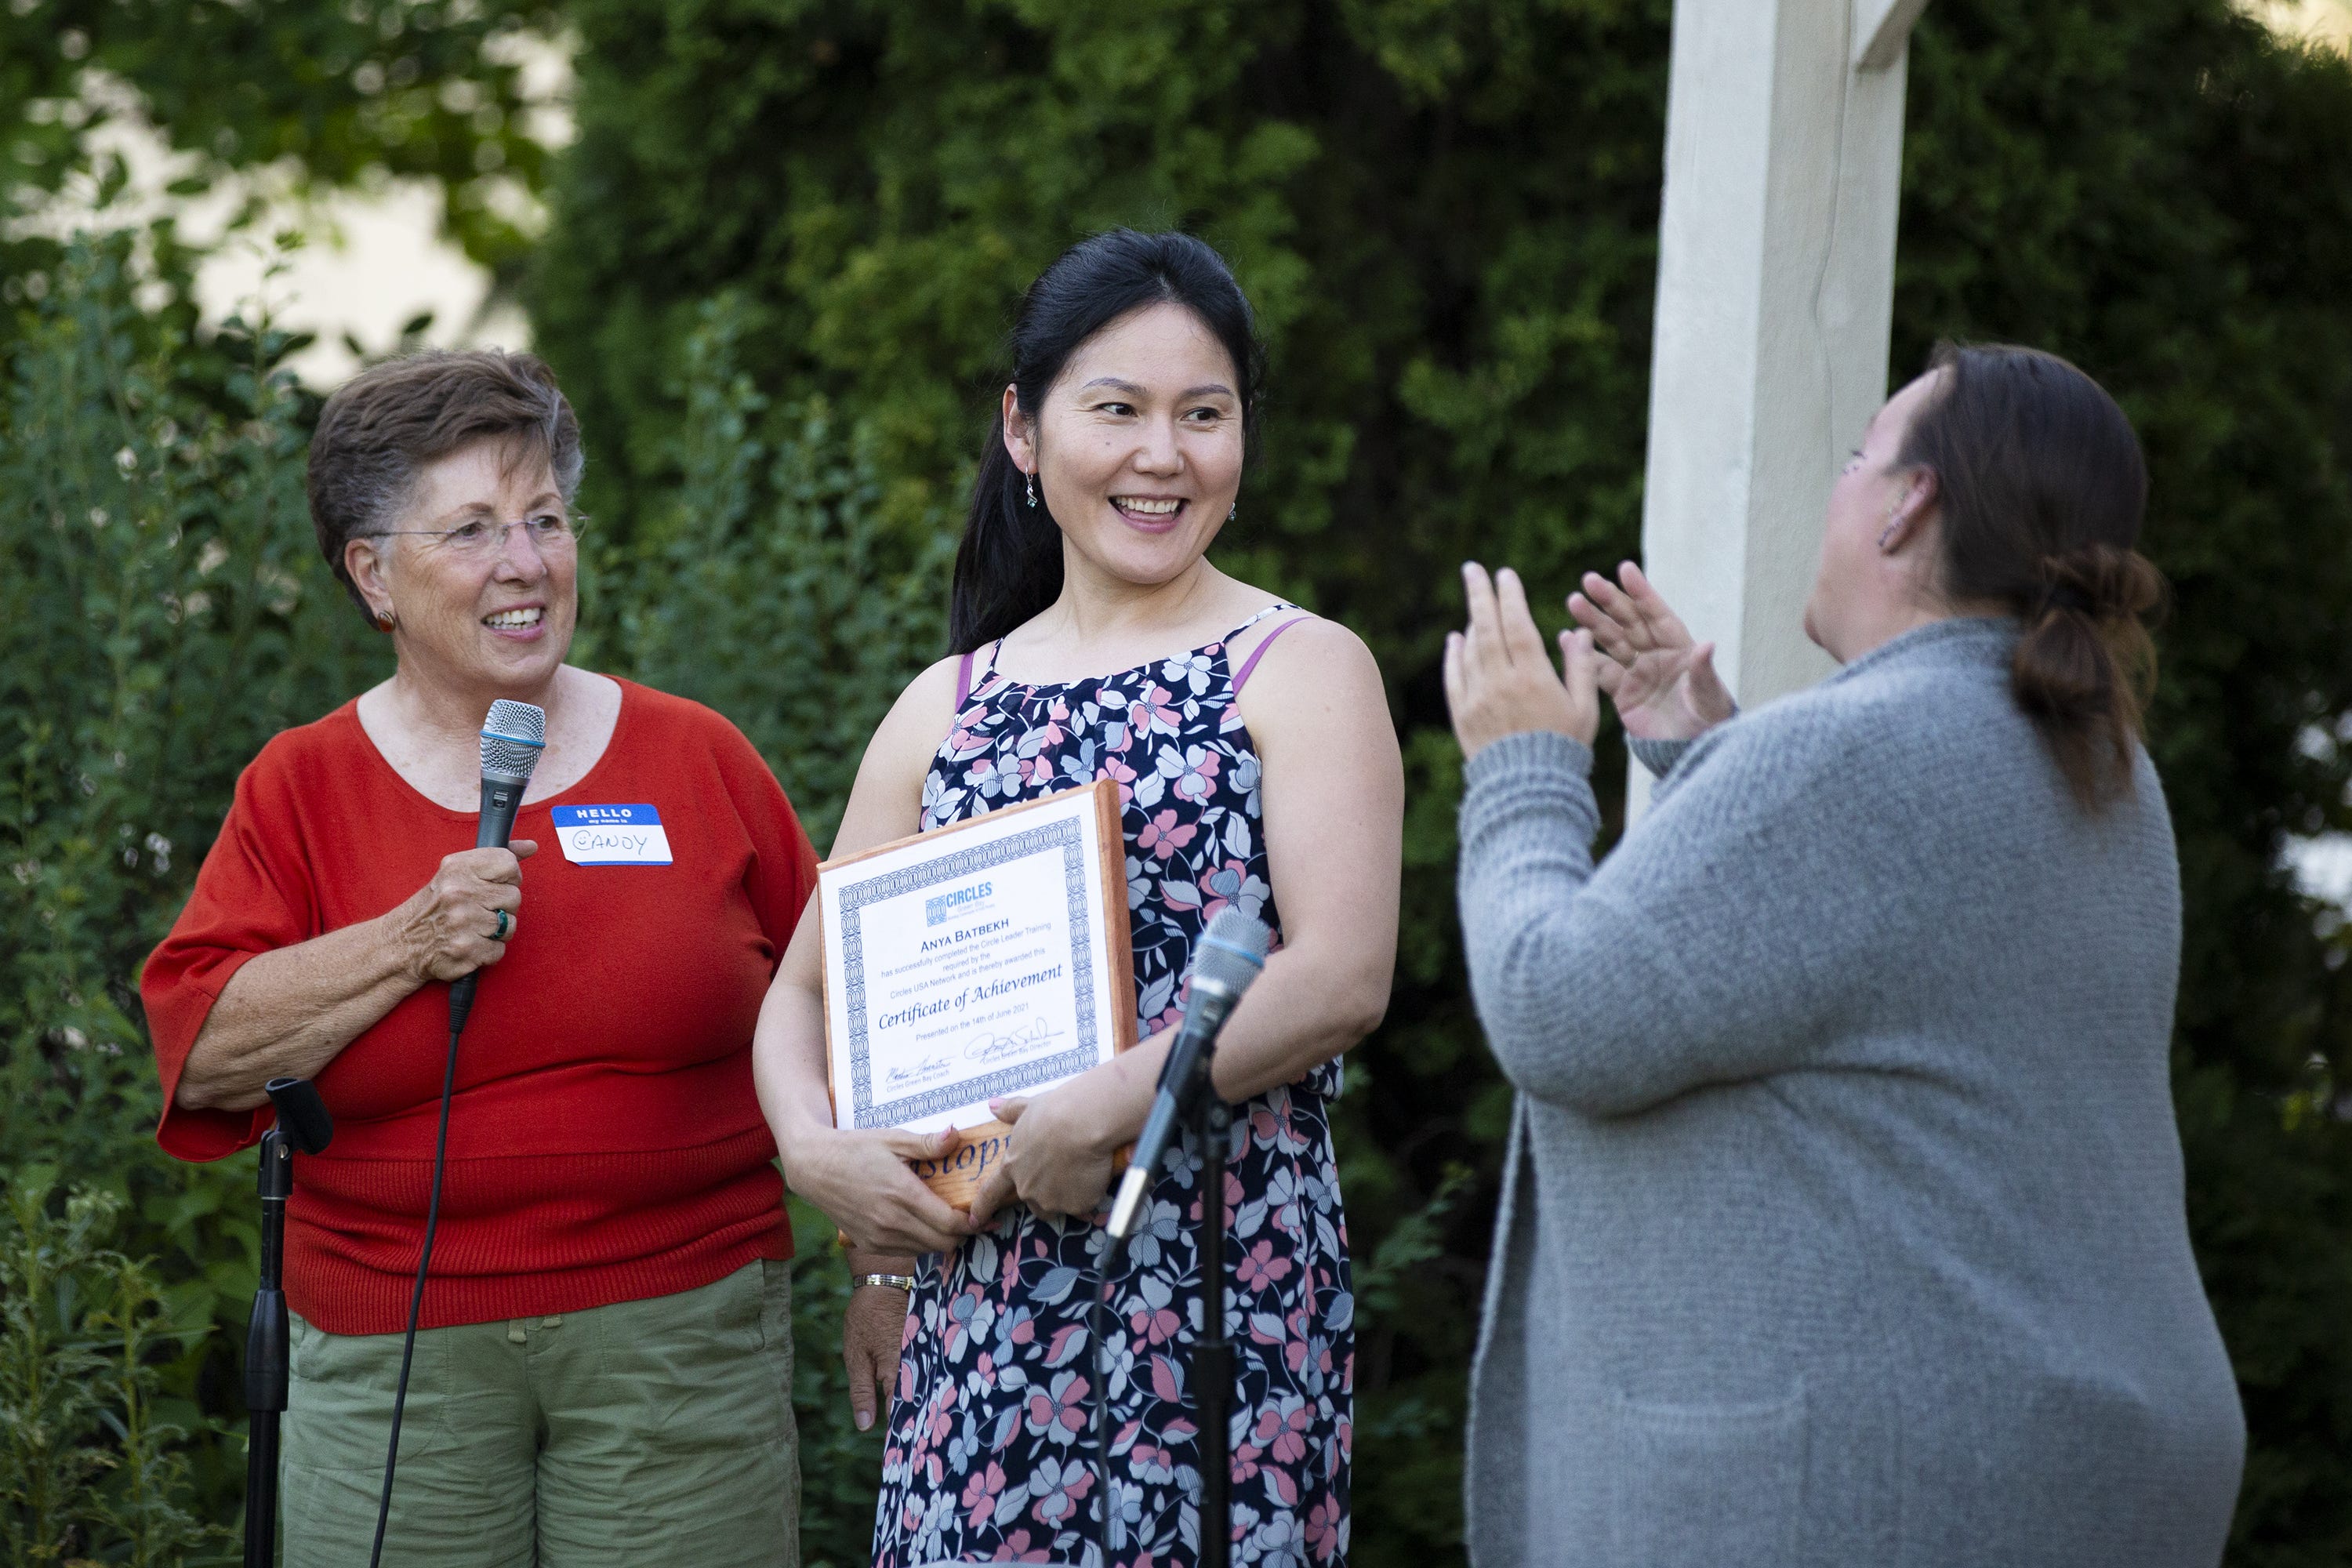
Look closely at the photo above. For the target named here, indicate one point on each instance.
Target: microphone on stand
(512, 737)
(1231, 954)
(1230, 957)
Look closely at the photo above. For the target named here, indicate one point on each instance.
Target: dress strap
(968, 683)
(1274, 609)
(1241, 676)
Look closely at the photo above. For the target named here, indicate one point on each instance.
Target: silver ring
(500, 934)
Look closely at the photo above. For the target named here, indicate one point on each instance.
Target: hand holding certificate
(977, 962)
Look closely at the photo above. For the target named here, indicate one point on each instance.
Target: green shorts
(656, 1431)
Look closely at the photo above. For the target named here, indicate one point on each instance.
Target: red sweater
(604, 1140)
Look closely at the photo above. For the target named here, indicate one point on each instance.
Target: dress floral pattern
(990, 1455)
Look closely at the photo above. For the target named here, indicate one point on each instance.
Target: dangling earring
(1033, 489)
(1233, 512)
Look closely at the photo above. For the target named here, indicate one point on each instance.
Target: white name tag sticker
(612, 835)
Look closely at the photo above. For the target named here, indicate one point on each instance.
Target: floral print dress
(989, 1448)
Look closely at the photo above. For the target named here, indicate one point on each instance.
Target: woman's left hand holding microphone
(1499, 678)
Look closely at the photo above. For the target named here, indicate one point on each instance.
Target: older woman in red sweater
(604, 1370)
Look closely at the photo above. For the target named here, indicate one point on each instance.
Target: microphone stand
(303, 1125)
(1232, 951)
(1210, 1124)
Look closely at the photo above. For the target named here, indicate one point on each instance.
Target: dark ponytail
(2042, 488)
(1009, 565)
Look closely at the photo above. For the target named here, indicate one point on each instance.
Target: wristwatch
(889, 1281)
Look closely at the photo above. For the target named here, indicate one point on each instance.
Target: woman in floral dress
(1257, 769)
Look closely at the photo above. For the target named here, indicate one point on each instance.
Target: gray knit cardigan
(1843, 1216)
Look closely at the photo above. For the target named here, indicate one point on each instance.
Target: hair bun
(2087, 662)
(2099, 580)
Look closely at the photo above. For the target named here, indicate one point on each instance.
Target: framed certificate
(981, 960)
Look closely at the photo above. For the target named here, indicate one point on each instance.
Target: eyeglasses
(484, 540)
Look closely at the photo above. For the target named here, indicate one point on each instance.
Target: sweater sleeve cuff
(1537, 771)
(1529, 756)
(1658, 757)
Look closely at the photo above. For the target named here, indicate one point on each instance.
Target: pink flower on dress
(1152, 713)
(1151, 1464)
(1323, 1527)
(1163, 836)
(1261, 1267)
(1058, 1485)
(1063, 1405)
(1270, 1126)
(1014, 1548)
(1115, 767)
(942, 1420)
(1198, 777)
(1156, 1325)
(1283, 1430)
(979, 1492)
(966, 1316)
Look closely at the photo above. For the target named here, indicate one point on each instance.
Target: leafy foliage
(1446, 215)
(328, 94)
(84, 1461)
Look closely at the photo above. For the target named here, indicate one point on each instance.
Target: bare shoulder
(1317, 695)
(917, 721)
(1299, 656)
(885, 801)
(928, 702)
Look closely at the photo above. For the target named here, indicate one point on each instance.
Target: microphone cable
(417, 1296)
(1097, 1327)
(513, 735)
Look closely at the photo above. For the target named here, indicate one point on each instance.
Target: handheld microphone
(1230, 957)
(512, 737)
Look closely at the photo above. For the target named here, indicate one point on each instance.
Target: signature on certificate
(1025, 1041)
(914, 1074)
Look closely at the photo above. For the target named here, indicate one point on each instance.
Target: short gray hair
(384, 425)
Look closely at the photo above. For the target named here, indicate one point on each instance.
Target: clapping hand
(1665, 686)
(1499, 678)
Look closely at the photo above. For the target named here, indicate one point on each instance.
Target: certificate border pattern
(1069, 835)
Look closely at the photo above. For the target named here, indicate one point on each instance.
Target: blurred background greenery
(772, 246)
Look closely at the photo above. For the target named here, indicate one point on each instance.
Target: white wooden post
(1776, 279)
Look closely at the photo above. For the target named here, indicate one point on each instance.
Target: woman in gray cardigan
(1843, 1216)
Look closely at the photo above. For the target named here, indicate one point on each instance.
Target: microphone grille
(1232, 950)
(511, 738)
